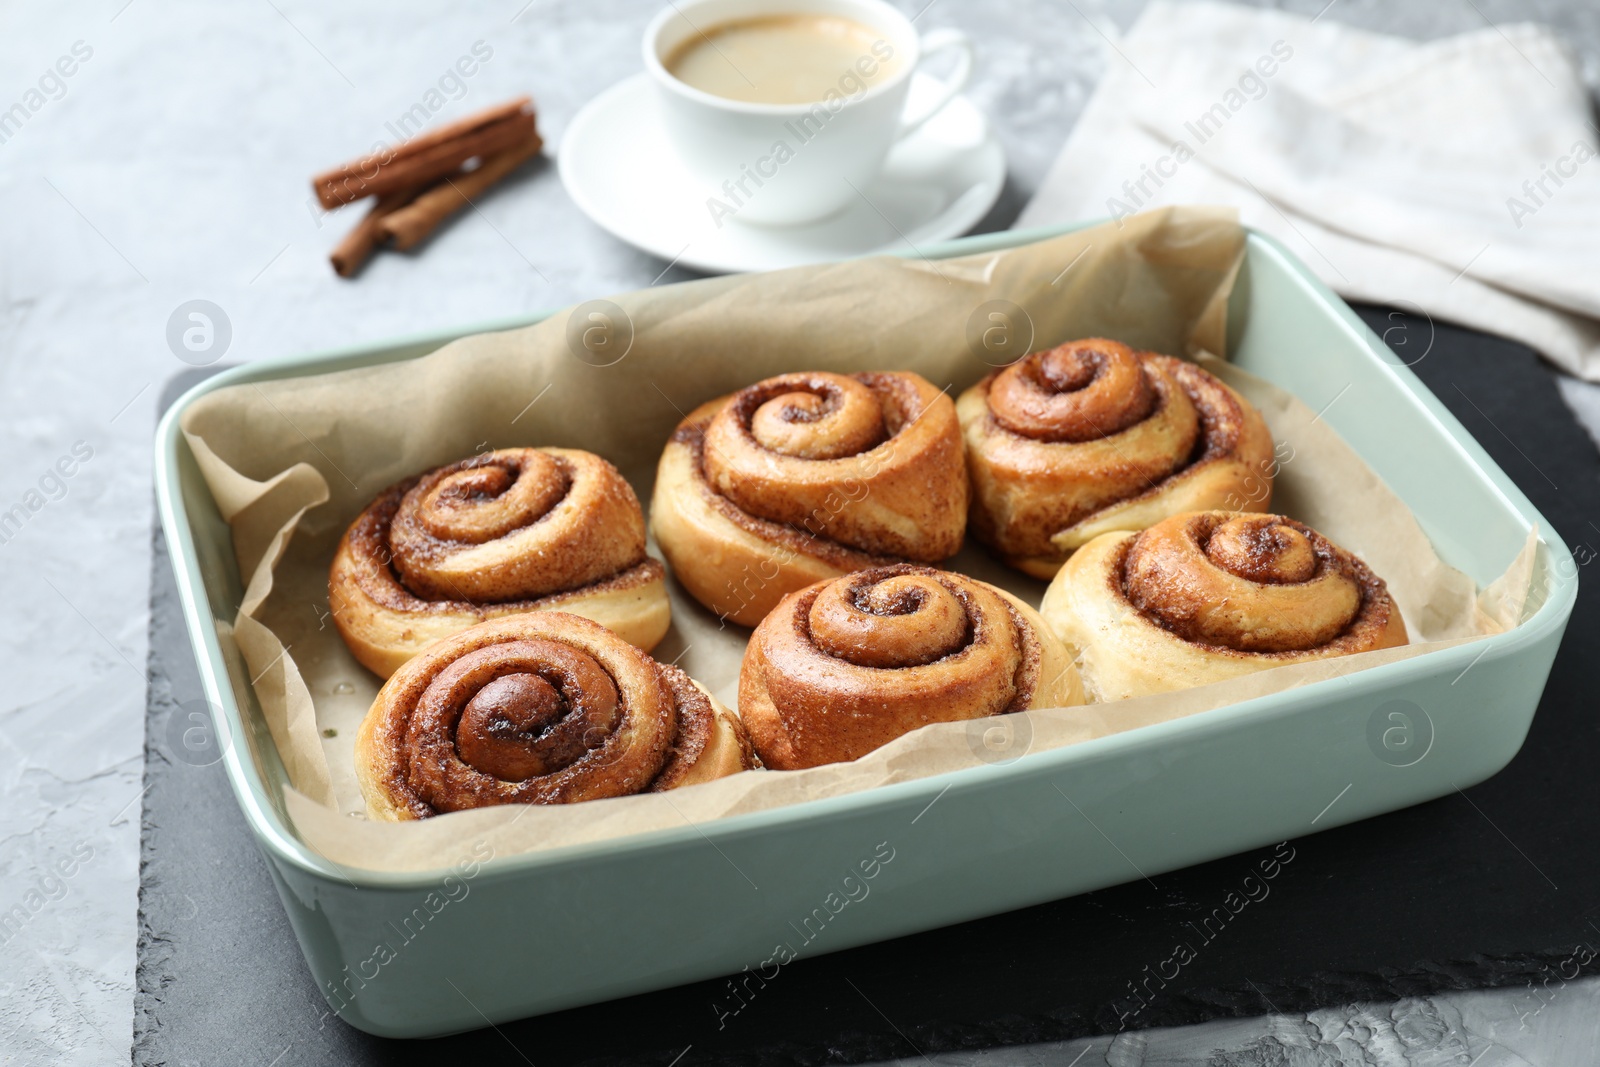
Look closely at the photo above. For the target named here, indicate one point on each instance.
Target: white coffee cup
(831, 149)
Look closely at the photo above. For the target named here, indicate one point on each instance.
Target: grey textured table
(170, 166)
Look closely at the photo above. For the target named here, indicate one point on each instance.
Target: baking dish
(426, 953)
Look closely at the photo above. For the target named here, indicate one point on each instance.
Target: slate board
(1447, 895)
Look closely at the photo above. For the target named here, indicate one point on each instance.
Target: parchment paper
(292, 462)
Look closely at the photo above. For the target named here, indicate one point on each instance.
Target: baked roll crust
(1212, 595)
(506, 532)
(804, 477)
(1094, 436)
(847, 665)
(539, 708)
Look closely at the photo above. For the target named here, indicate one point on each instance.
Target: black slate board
(1497, 887)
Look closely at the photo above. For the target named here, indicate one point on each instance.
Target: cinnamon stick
(359, 244)
(428, 156)
(413, 223)
(466, 124)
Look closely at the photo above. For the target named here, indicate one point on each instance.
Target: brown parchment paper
(292, 462)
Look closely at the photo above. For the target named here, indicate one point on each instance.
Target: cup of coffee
(786, 111)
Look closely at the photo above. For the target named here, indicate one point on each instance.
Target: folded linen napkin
(1459, 176)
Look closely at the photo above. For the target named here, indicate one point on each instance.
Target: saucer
(620, 170)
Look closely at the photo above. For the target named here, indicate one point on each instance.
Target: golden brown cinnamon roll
(539, 708)
(521, 529)
(1094, 436)
(1211, 595)
(845, 666)
(804, 477)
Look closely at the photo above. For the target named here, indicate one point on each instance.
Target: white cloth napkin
(1458, 177)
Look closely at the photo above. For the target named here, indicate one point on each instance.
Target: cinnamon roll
(804, 477)
(1094, 436)
(521, 529)
(847, 665)
(1212, 595)
(538, 708)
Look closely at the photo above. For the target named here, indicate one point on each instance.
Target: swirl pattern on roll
(1093, 436)
(808, 476)
(538, 708)
(847, 665)
(1205, 596)
(502, 533)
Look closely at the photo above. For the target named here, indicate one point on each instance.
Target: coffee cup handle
(932, 43)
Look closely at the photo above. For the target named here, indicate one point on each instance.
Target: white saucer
(618, 167)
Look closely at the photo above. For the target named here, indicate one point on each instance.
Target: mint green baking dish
(419, 954)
